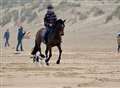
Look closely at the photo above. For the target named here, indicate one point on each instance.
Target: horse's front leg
(50, 54)
(60, 52)
(42, 55)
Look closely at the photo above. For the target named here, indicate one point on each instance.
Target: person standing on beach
(20, 37)
(118, 41)
(7, 37)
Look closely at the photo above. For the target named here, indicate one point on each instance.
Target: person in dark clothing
(20, 37)
(6, 37)
(118, 41)
(49, 21)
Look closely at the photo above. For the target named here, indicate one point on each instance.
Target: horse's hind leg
(60, 52)
(37, 59)
(50, 54)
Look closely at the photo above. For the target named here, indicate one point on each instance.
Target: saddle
(50, 35)
(43, 34)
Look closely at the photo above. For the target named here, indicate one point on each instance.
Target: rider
(49, 21)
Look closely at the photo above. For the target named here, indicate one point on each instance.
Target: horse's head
(60, 25)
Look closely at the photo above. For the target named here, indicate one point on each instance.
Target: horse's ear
(64, 21)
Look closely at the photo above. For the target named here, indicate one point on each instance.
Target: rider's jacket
(50, 19)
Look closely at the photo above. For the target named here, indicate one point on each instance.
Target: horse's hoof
(43, 56)
(33, 61)
(58, 62)
(47, 64)
(31, 57)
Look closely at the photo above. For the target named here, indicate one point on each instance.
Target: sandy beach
(89, 58)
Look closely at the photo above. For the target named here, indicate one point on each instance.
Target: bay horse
(54, 39)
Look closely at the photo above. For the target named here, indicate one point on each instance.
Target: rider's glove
(50, 25)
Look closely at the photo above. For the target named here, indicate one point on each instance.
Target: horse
(54, 39)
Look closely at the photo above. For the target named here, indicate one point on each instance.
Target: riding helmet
(50, 7)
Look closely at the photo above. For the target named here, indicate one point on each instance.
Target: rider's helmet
(50, 7)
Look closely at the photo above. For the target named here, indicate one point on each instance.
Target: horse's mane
(60, 21)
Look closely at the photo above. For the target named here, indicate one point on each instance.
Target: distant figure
(20, 37)
(49, 21)
(7, 37)
(118, 41)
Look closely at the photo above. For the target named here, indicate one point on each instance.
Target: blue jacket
(7, 35)
(20, 34)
